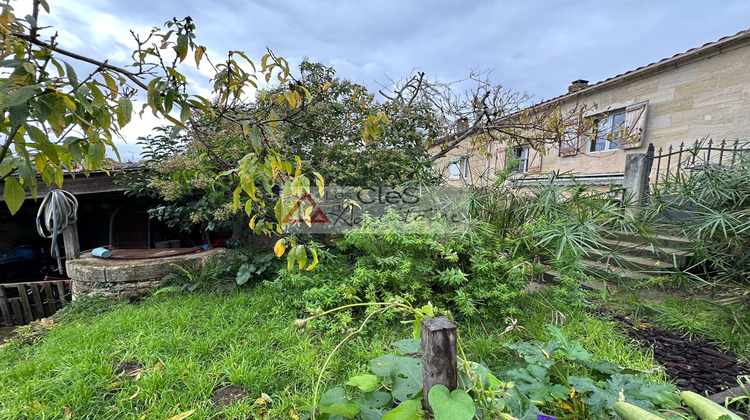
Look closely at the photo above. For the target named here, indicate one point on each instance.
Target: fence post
(439, 362)
(634, 178)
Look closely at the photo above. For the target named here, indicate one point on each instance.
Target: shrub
(419, 261)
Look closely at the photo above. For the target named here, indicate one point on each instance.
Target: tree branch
(103, 64)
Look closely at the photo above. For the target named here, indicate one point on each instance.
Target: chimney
(577, 85)
(462, 124)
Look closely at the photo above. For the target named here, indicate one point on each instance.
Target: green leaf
(405, 372)
(534, 355)
(95, 155)
(17, 96)
(447, 405)
(255, 138)
(244, 274)
(301, 256)
(407, 410)
(182, 47)
(124, 111)
(373, 405)
(71, 75)
(18, 114)
(184, 111)
(13, 194)
(364, 382)
(346, 410)
(334, 396)
(408, 346)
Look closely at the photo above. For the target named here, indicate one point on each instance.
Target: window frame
(523, 166)
(462, 168)
(614, 132)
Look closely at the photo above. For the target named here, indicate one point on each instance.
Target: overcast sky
(537, 47)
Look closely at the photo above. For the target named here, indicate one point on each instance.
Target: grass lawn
(188, 346)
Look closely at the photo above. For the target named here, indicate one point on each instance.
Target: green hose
(58, 210)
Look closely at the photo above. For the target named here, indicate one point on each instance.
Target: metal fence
(684, 161)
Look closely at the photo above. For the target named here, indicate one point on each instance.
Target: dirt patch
(228, 395)
(128, 368)
(694, 365)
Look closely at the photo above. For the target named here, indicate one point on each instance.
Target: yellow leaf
(113, 384)
(184, 415)
(315, 259)
(326, 86)
(299, 166)
(279, 248)
(252, 222)
(260, 402)
(138, 391)
(66, 411)
(158, 366)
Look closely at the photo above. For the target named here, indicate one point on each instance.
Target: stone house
(701, 93)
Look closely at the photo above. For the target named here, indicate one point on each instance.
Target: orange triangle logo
(317, 217)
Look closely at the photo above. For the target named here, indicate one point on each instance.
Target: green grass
(190, 345)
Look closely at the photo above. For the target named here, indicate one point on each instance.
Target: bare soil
(228, 395)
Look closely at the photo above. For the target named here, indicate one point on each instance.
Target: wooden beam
(37, 298)
(72, 246)
(5, 307)
(25, 303)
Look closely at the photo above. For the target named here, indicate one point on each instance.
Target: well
(130, 273)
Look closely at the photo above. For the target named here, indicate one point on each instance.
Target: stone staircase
(630, 257)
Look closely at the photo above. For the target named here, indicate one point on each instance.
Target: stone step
(667, 256)
(631, 262)
(607, 269)
(660, 240)
(598, 269)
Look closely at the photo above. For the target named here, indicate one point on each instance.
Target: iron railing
(684, 161)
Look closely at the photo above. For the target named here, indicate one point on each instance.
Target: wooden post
(439, 362)
(72, 247)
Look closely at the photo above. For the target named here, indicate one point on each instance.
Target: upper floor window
(609, 129)
(459, 168)
(520, 159)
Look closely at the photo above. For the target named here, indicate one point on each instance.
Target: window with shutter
(608, 132)
(569, 142)
(535, 161)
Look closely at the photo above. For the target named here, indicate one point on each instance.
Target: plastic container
(101, 252)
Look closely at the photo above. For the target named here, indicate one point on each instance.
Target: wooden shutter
(570, 141)
(534, 163)
(635, 123)
(500, 159)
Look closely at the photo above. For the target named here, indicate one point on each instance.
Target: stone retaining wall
(125, 279)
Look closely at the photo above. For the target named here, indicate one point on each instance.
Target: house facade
(701, 93)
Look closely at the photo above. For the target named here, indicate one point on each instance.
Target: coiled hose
(58, 210)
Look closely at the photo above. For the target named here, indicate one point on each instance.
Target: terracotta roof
(663, 64)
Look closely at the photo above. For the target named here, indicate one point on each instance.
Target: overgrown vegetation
(468, 272)
(709, 203)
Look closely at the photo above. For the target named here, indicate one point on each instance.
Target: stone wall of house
(705, 96)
